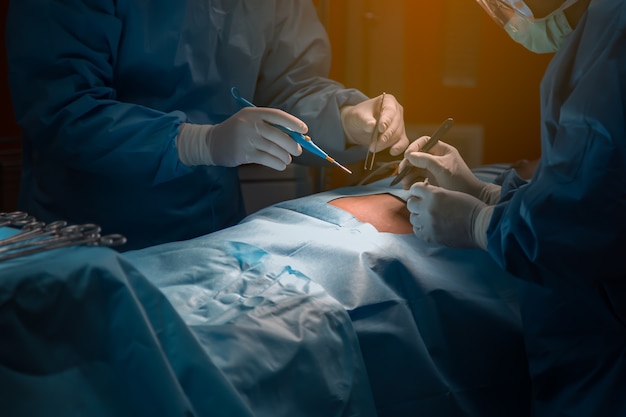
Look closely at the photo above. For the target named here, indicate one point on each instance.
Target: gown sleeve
(294, 77)
(62, 56)
(570, 221)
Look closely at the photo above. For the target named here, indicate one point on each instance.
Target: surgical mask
(540, 35)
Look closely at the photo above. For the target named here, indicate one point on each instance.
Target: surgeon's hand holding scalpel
(244, 138)
(360, 121)
(303, 140)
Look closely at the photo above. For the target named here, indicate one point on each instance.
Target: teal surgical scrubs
(565, 231)
(100, 89)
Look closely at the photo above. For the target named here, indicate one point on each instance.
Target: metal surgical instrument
(41, 238)
(374, 139)
(304, 140)
(15, 218)
(441, 130)
(32, 231)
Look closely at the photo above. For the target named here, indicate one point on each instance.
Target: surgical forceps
(33, 230)
(55, 235)
(441, 130)
(304, 140)
(374, 138)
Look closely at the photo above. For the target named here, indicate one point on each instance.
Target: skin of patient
(386, 212)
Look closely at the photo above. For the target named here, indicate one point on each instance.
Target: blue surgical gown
(100, 89)
(565, 231)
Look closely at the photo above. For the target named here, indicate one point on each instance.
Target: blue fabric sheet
(438, 329)
(300, 310)
(85, 333)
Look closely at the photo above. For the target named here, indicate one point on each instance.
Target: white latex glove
(449, 218)
(444, 166)
(244, 138)
(359, 121)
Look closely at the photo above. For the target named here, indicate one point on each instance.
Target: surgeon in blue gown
(127, 117)
(564, 231)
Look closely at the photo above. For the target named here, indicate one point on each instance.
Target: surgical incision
(385, 212)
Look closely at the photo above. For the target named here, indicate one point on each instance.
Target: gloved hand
(360, 120)
(444, 166)
(449, 218)
(244, 138)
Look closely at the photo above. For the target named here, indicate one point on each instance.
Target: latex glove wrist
(247, 137)
(191, 145)
(490, 193)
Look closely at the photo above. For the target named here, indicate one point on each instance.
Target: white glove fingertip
(414, 146)
(291, 147)
(399, 147)
(273, 162)
(417, 159)
(417, 190)
(412, 205)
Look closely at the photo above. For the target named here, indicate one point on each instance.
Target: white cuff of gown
(481, 223)
(191, 143)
